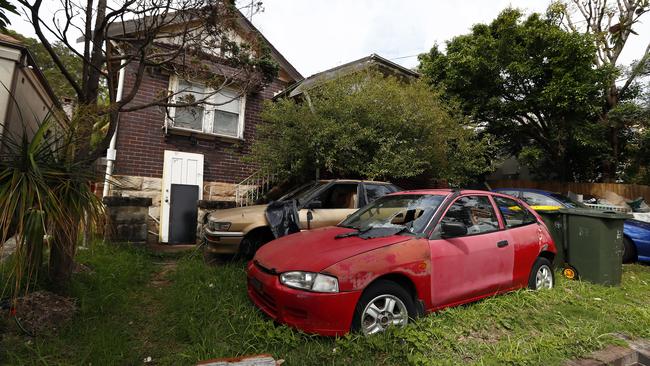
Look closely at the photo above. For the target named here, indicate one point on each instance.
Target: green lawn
(129, 311)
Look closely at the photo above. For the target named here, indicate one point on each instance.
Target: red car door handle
(502, 243)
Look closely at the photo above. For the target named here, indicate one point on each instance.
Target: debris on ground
(637, 352)
(614, 199)
(44, 312)
(257, 360)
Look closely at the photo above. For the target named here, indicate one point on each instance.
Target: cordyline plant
(45, 200)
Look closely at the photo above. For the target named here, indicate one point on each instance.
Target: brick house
(198, 154)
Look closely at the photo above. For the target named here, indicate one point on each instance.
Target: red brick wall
(141, 141)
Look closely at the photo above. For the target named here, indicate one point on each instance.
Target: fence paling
(629, 191)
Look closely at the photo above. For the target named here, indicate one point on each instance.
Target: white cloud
(316, 35)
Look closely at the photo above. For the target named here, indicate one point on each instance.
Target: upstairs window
(222, 114)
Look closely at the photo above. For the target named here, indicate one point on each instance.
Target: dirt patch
(482, 336)
(160, 278)
(44, 312)
(167, 248)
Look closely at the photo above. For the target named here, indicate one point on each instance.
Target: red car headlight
(310, 281)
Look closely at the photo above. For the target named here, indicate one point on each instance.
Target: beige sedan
(243, 230)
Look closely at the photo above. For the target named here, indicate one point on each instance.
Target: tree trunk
(563, 163)
(610, 165)
(62, 251)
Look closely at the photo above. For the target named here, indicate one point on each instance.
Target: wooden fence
(629, 191)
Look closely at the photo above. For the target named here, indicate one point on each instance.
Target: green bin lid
(596, 213)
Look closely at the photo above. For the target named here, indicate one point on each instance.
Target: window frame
(502, 225)
(207, 125)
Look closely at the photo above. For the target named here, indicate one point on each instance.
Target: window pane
(374, 191)
(475, 212)
(189, 117)
(225, 123)
(185, 87)
(228, 101)
(339, 196)
(536, 199)
(513, 213)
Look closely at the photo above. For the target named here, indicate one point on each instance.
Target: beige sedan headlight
(218, 226)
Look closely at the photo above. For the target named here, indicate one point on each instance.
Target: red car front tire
(383, 304)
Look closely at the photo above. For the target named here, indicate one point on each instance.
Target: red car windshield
(409, 211)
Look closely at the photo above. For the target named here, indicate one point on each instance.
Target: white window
(221, 115)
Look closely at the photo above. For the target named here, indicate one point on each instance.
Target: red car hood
(317, 249)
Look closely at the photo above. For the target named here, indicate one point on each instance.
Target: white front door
(179, 168)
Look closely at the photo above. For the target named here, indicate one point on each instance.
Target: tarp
(282, 217)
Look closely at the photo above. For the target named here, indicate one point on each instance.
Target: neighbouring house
(373, 61)
(26, 98)
(300, 92)
(180, 155)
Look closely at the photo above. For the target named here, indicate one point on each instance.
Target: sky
(315, 35)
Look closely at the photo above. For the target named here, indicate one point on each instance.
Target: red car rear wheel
(541, 276)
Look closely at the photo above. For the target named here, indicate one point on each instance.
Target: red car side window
(475, 212)
(514, 214)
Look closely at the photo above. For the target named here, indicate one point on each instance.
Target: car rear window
(374, 191)
(514, 214)
(536, 199)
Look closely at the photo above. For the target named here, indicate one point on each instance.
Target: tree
(6, 7)
(530, 82)
(54, 77)
(610, 25)
(370, 126)
(635, 167)
(190, 38)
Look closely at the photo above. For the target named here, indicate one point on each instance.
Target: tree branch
(35, 21)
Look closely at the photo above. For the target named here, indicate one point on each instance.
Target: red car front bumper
(327, 314)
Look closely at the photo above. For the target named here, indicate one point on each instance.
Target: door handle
(502, 243)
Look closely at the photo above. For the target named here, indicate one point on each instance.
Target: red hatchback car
(405, 254)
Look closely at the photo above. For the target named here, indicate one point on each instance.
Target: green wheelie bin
(554, 221)
(594, 244)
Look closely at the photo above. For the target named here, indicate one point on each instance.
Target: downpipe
(111, 153)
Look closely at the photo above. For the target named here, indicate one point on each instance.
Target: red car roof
(441, 191)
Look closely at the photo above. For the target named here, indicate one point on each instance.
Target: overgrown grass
(202, 312)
